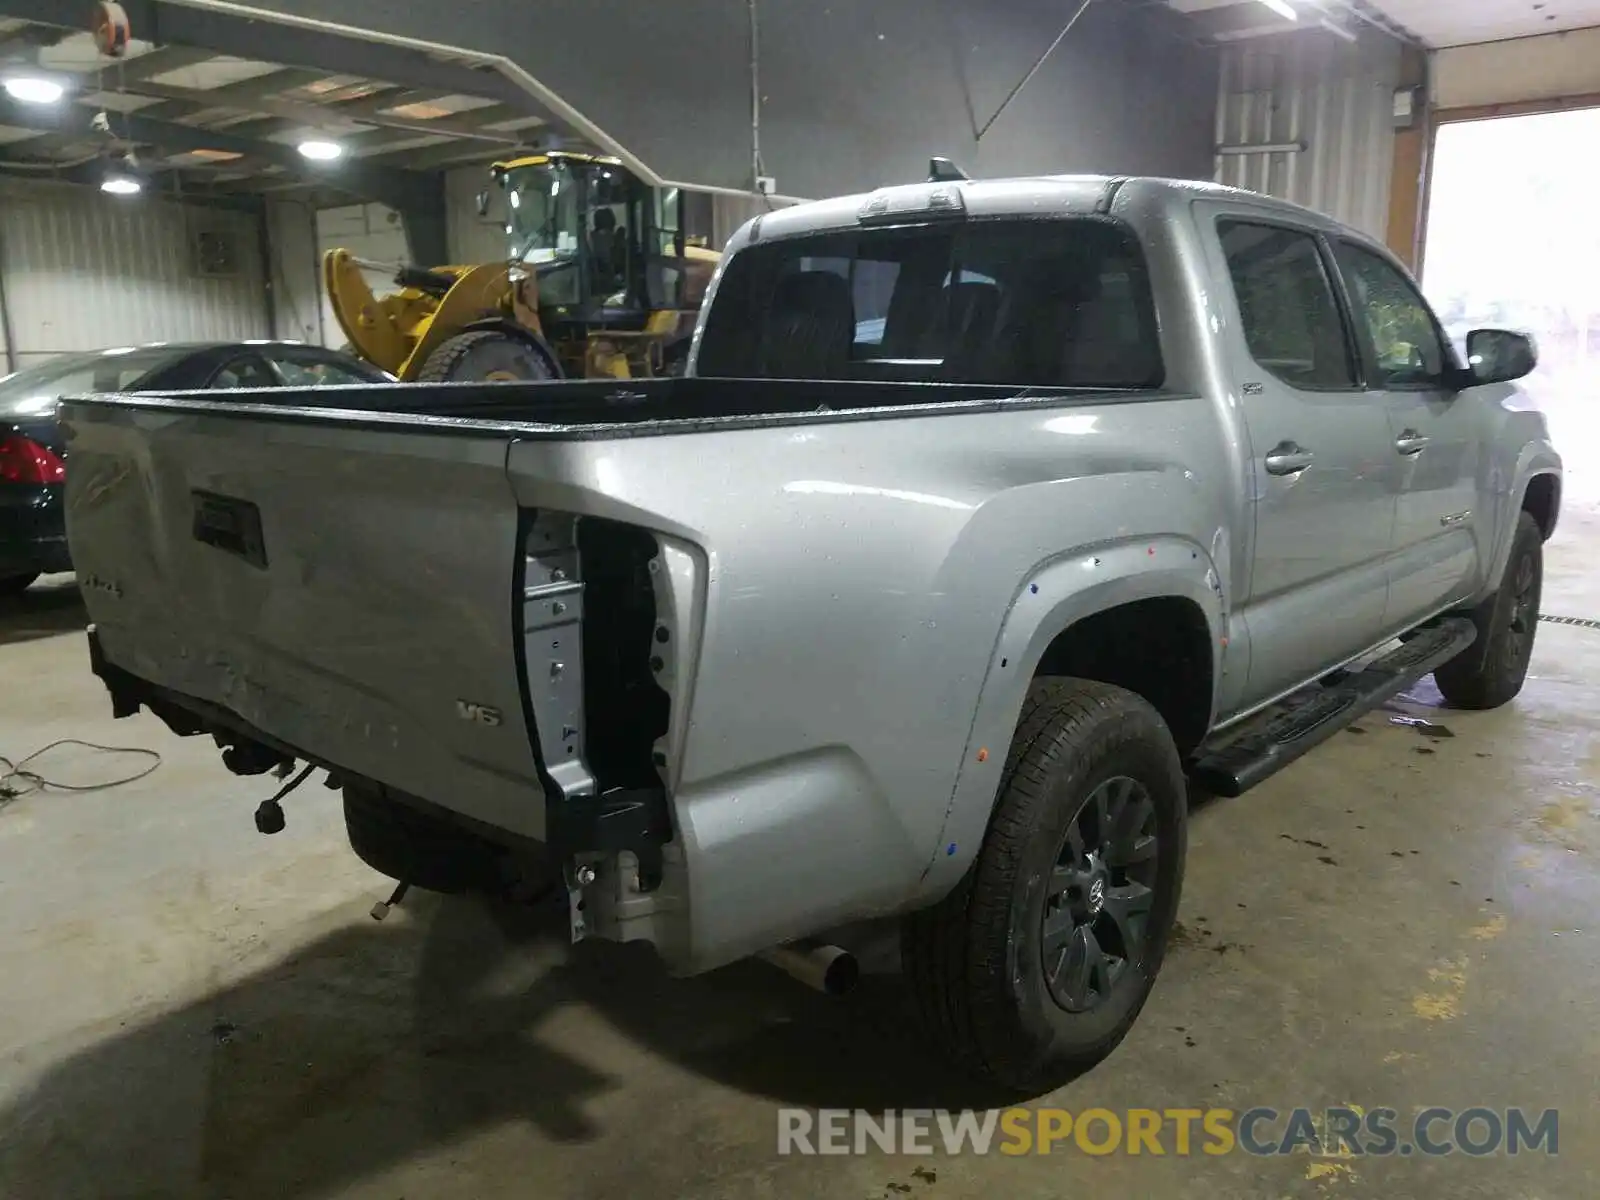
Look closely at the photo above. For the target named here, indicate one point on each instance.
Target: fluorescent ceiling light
(31, 89)
(1283, 9)
(121, 185)
(319, 151)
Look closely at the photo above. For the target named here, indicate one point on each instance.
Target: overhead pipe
(1034, 70)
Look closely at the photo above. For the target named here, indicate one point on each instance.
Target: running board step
(1274, 738)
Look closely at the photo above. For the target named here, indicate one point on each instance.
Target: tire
(675, 358)
(485, 355)
(15, 585)
(976, 960)
(1491, 670)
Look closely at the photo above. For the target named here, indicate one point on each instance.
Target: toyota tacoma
(987, 517)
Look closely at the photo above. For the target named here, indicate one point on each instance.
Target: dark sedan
(32, 452)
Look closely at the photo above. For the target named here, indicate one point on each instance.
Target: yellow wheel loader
(598, 282)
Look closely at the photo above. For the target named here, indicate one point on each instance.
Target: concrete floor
(191, 1010)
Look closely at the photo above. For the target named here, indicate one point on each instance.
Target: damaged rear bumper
(634, 822)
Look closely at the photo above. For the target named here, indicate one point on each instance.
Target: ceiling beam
(247, 91)
(43, 171)
(371, 106)
(396, 188)
(315, 115)
(457, 154)
(165, 185)
(181, 186)
(159, 61)
(178, 25)
(229, 95)
(28, 39)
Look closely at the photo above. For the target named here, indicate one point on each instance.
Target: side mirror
(1500, 356)
(483, 204)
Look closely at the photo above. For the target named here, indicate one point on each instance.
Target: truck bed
(611, 408)
(530, 607)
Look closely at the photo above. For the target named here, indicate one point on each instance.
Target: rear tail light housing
(23, 460)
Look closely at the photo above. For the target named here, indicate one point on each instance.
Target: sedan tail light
(25, 461)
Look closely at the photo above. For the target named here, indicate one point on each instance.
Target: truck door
(1436, 432)
(1322, 469)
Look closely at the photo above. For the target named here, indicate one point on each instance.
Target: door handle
(1411, 442)
(1288, 458)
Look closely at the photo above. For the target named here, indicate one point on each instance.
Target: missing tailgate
(591, 666)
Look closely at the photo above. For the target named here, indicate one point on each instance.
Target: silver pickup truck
(986, 514)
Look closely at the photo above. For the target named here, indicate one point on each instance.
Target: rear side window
(1057, 303)
(301, 368)
(247, 371)
(1291, 320)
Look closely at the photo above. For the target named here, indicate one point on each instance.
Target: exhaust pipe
(827, 969)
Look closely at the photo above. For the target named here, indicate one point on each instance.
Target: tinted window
(1404, 338)
(1290, 318)
(36, 389)
(301, 369)
(246, 372)
(872, 287)
(1049, 303)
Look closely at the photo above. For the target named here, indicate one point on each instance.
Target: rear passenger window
(246, 372)
(1291, 320)
(1050, 303)
(311, 370)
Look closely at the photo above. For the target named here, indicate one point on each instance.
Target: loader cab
(607, 250)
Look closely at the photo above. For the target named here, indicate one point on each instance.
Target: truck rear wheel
(485, 356)
(1492, 669)
(1035, 967)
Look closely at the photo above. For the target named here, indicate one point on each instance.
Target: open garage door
(1512, 241)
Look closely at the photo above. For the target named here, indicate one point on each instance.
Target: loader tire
(486, 356)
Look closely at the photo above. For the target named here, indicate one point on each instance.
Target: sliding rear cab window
(1041, 303)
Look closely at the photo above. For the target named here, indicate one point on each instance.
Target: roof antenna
(942, 170)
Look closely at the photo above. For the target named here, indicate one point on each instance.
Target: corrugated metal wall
(84, 271)
(369, 231)
(473, 239)
(296, 274)
(1337, 98)
(729, 213)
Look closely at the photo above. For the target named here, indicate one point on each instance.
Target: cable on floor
(17, 781)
